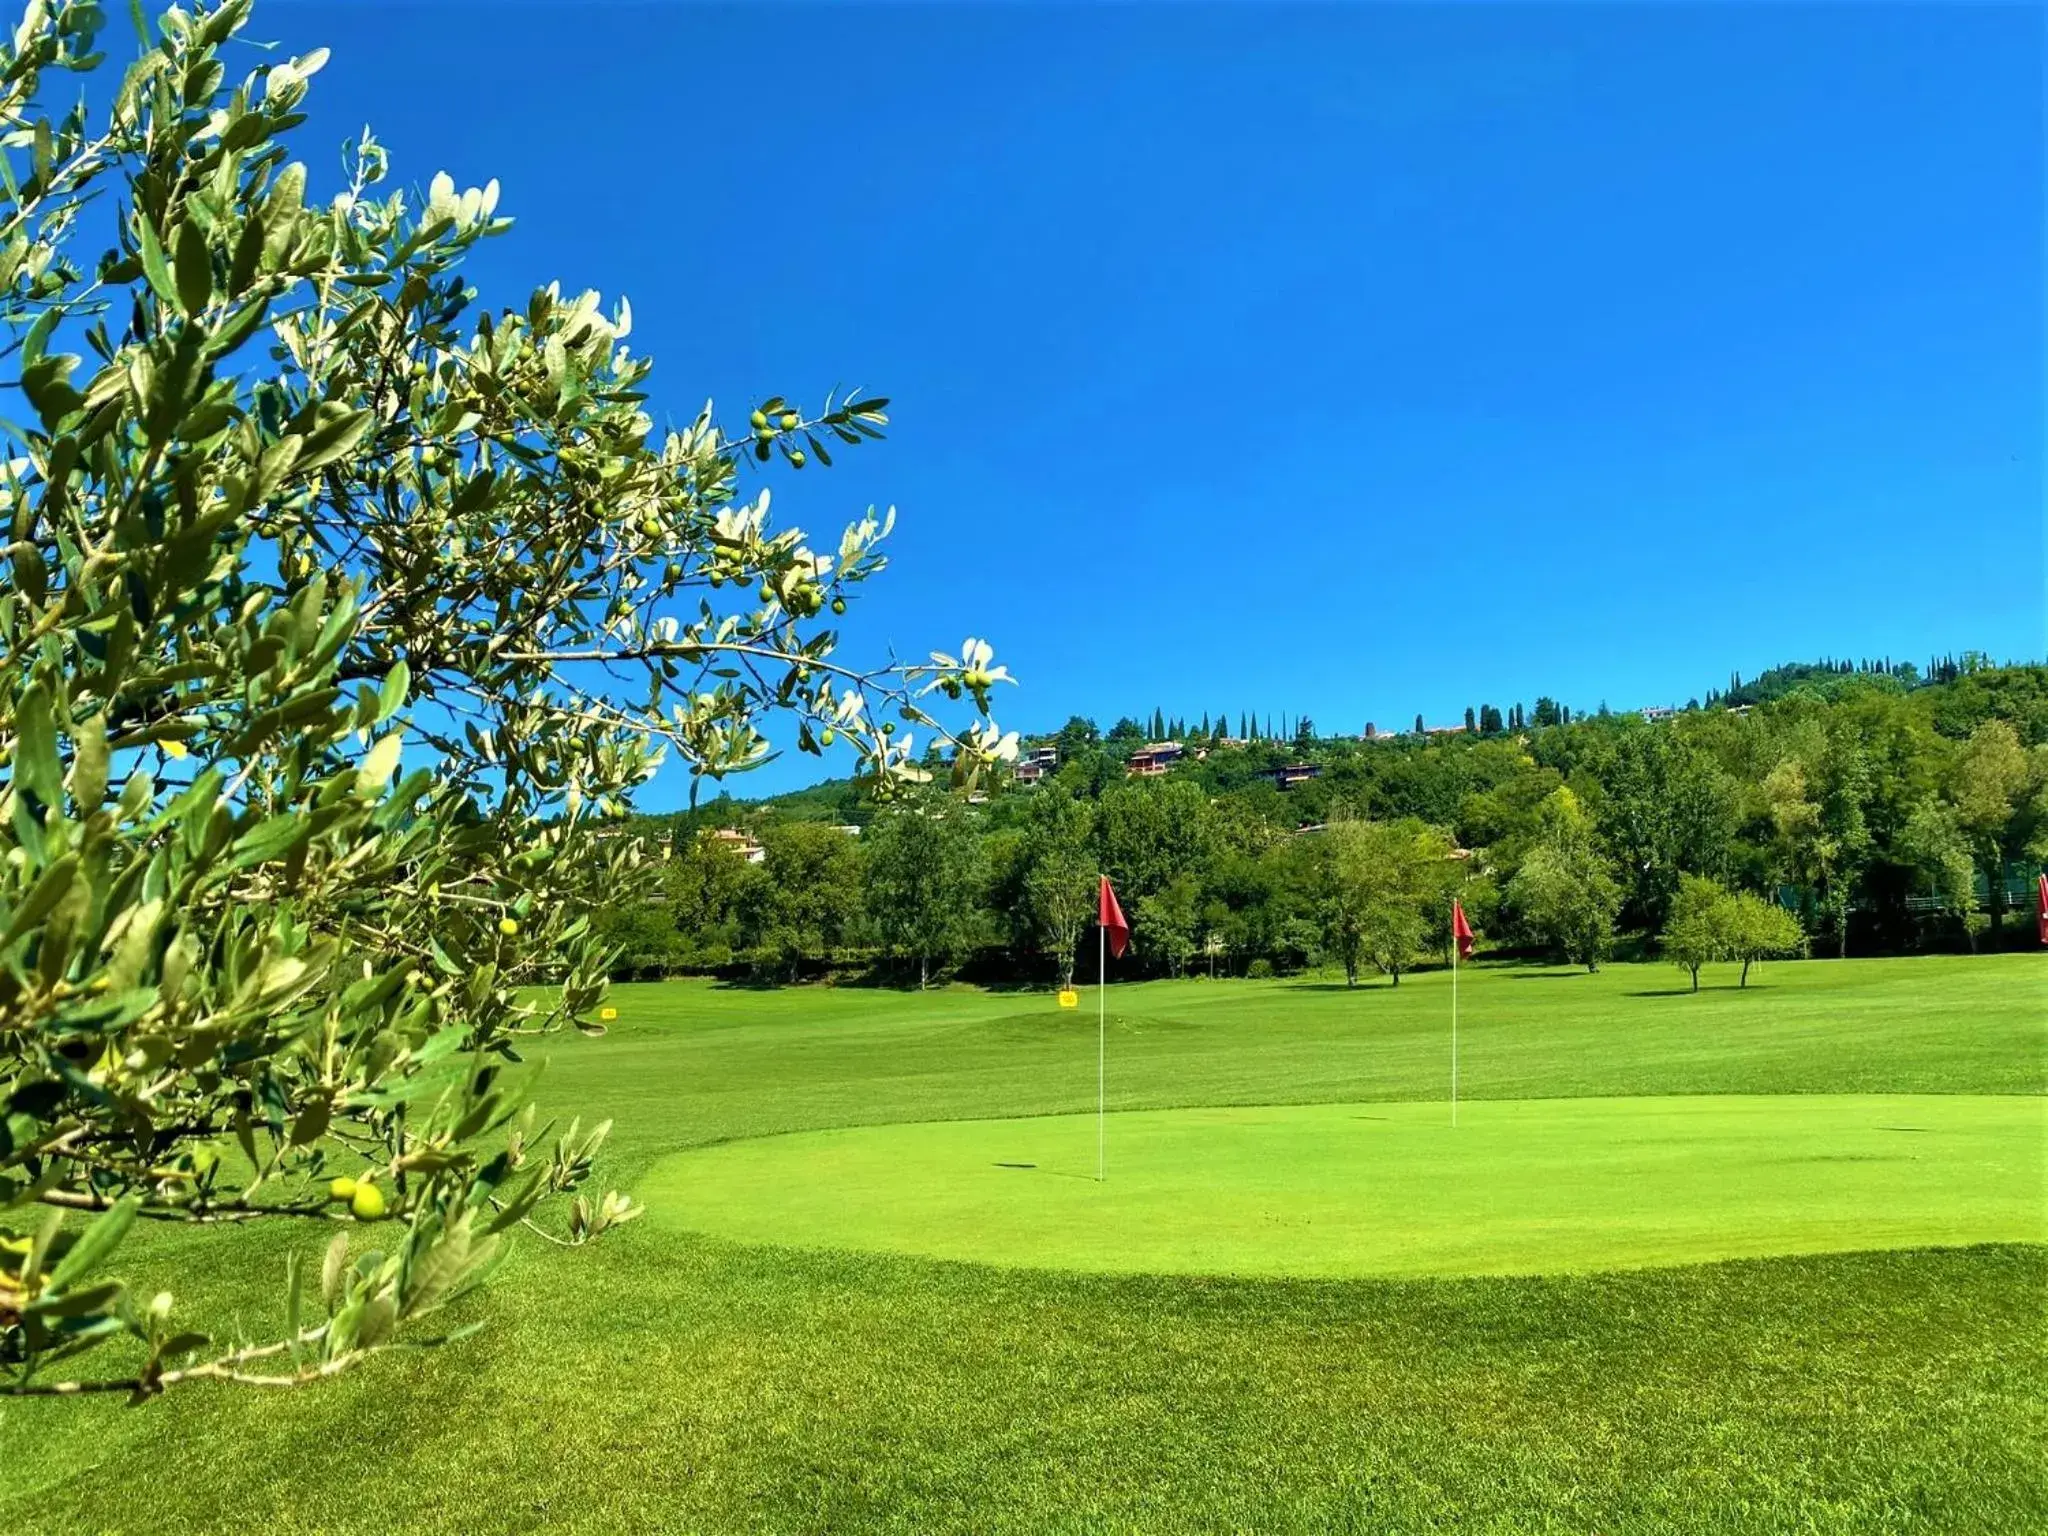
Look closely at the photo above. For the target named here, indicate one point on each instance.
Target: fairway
(1335, 1314)
(1519, 1187)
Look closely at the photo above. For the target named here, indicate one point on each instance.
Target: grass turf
(670, 1381)
(1521, 1186)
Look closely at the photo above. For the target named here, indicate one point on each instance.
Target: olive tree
(338, 609)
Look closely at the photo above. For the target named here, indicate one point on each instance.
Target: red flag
(1111, 916)
(2043, 909)
(1461, 931)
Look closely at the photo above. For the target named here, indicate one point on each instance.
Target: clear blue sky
(1349, 361)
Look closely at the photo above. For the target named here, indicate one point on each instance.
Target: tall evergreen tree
(1471, 720)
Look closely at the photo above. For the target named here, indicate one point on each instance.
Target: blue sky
(1342, 360)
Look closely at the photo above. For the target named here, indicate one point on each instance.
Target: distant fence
(2020, 890)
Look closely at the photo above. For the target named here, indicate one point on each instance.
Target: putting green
(1519, 1187)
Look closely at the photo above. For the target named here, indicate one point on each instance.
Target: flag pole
(1454, 1017)
(1101, 1049)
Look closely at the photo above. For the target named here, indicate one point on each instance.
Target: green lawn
(1521, 1186)
(672, 1380)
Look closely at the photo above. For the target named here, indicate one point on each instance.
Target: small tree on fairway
(304, 521)
(1697, 931)
(1759, 929)
(1373, 883)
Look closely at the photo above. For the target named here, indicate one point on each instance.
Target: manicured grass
(1520, 1186)
(666, 1380)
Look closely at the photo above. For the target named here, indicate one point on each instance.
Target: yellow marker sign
(1070, 998)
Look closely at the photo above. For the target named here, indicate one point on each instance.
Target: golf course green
(1539, 1186)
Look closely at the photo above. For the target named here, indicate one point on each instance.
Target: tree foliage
(1377, 886)
(1697, 931)
(322, 582)
(1564, 890)
(1758, 930)
(923, 877)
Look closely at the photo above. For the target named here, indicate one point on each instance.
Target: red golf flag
(1461, 931)
(1111, 916)
(2042, 908)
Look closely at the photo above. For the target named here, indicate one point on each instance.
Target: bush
(1260, 969)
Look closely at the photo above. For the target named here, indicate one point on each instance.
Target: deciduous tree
(2000, 793)
(1697, 932)
(1564, 890)
(922, 874)
(1758, 929)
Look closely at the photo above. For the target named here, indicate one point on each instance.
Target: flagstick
(1101, 1050)
(1454, 1022)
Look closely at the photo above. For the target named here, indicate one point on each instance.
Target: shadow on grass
(1725, 986)
(752, 984)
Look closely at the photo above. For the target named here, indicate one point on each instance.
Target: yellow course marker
(1069, 998)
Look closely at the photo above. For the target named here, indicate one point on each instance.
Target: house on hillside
(1034, 763)
(745, 844)
(1292, 774)
(1154, 758)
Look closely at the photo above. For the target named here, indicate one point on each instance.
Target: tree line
(1854, 811)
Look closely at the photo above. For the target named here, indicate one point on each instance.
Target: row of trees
(1861, 812)
(1711, 923)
